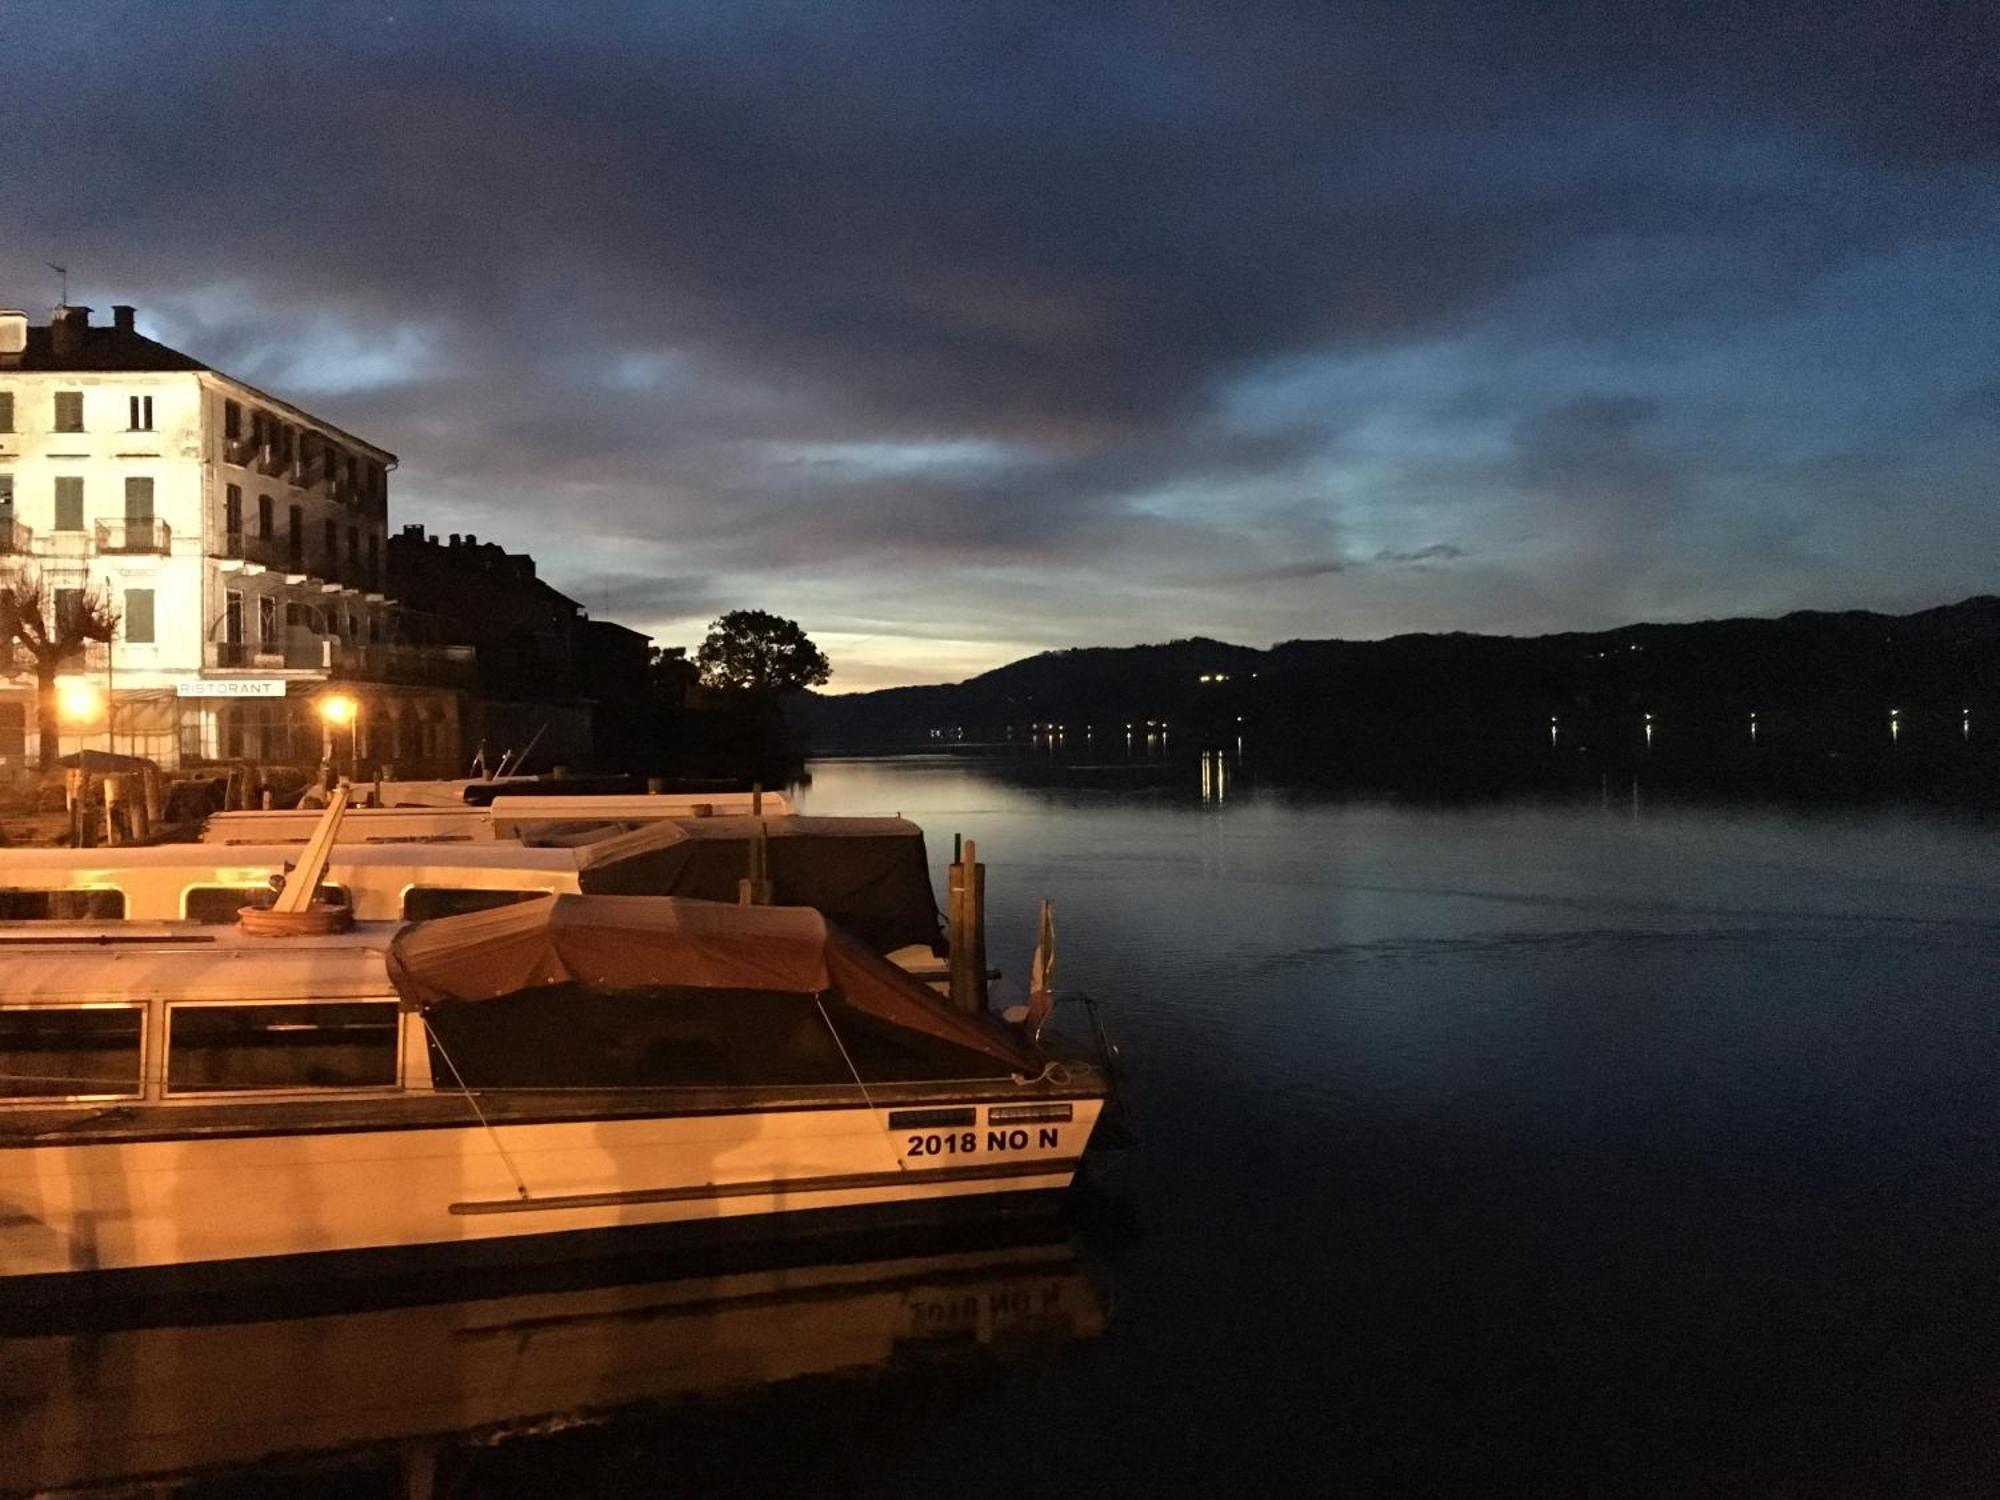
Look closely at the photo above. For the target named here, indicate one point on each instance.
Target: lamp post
(336, 709)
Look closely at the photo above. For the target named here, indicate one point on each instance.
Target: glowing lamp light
(78, 699)
(337, 709)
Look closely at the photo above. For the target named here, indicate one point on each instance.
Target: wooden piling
(154, 791)
(114, 799)
(135, 808)
(966, 932)
(960, 978)
(975, 922)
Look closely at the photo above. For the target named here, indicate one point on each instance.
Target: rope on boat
(901, 1165)
(520, 1183)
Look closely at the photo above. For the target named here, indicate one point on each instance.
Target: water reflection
(398, 1396)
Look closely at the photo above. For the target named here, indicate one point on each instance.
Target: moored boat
(180, 1102)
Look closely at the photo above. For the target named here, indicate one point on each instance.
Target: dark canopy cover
(869, 875)
(617, 943)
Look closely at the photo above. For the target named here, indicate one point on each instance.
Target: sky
(962, 331)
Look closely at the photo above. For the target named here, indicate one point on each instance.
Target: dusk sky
(958, 332)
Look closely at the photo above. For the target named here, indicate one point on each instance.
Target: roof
(869, 875)
(613, 943)
(107, 349)
(111, 350)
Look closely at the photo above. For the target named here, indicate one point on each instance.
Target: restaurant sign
(232, 687)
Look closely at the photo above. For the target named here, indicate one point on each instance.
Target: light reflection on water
(1527, 1148)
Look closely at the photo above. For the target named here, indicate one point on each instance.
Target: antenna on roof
(62, 271)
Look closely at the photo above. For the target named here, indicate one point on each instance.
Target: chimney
(66, 331)
(455, 539)
(121, 317)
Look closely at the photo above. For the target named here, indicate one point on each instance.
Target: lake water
(1536, 1150)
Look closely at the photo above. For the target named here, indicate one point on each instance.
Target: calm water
(1527, 1150)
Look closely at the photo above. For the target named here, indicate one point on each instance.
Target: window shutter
(69, 411)
(139, 616)
(6, 411)
(69, 503)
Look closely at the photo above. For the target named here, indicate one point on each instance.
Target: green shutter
(69, 504)
(139, 616)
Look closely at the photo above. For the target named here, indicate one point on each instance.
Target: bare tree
(53, 625)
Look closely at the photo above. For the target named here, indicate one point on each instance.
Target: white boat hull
(126, 1205)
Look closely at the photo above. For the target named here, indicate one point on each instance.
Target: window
(232, 511)
(267, 623)
(69, 411)
(374, 558)
(6, 411)
(141, 408)
(69, 503)
(232, 617)
(71, 1051)
(139, 501)
(218, 905)
(422, 903)
(353, 546)
(264, 512)
(102, 905)
(7, 495)
(232, 420)
(139, 616)
(332, 546)
(214, 1048)
(69, 608)
(298, 540)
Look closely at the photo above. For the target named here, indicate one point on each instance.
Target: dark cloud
(977, 306)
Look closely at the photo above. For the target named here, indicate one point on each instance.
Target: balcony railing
(302, 651)
(16, 540)
(238, 450)
(247, 547)
(272, 459)
(134, 536)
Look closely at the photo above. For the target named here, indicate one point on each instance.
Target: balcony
(244, 546)
(303, 651)
(16, 540)
(134, 537)
(273, 459)
(238, 450)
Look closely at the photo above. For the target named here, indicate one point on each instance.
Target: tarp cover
(636, 942)
(868, 874)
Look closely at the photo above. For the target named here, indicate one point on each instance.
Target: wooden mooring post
(966, 919)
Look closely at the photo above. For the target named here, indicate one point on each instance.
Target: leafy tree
(52, 625)
(749, 651)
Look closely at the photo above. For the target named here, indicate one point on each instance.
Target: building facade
(242, 542)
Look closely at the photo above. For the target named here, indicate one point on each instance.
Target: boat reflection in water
(396, 1398)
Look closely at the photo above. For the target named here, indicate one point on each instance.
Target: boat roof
(111, 961)
(253, 858)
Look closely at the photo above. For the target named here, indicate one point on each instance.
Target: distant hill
(1820, 684)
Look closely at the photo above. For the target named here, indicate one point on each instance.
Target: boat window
(421, 903)
(90, 1051)
(99, 905)
(317, 1045)
(569, 1036)
(566, 1036)
(216, 905)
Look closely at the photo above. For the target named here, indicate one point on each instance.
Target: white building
(242, 540)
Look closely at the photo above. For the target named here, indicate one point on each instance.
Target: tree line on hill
(1839, 705)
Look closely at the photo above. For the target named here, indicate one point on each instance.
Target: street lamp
(78, 700)
(337, 709)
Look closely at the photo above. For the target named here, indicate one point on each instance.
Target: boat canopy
(655, 943)
(869, 875)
